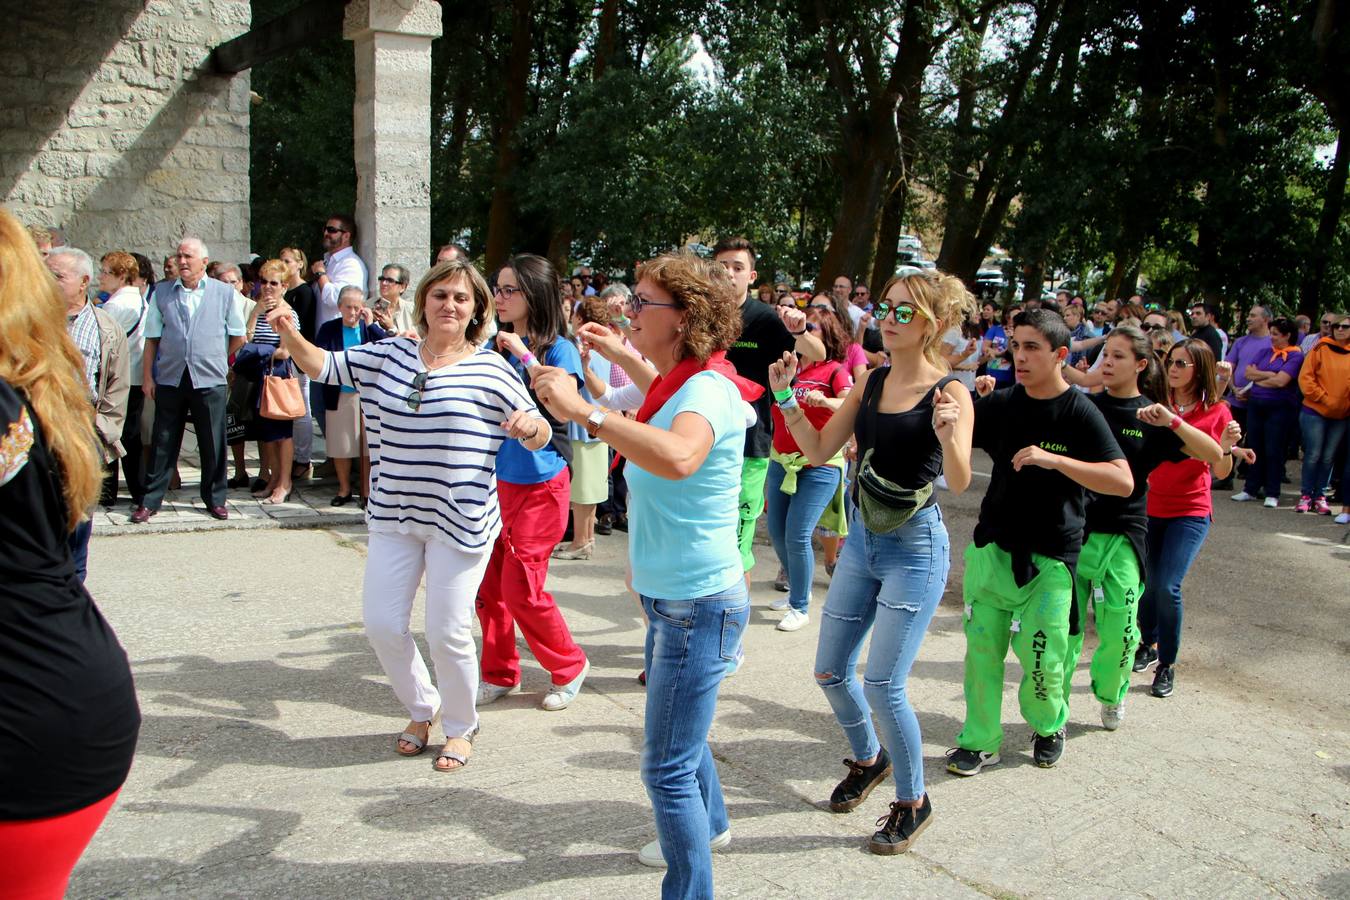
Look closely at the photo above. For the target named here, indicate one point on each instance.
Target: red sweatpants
(534, 517)
(37, 855)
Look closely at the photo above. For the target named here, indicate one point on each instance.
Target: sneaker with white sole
(1113, 714)
(491, 693)
(1320, 507)
(1343, 519)
(780, 603)
(650, 855)
(560, 696)
(1241, 497)
(961, 761)
(1271, 503)
(1303, 505)
(793, 620)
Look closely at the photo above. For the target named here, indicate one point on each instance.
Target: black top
(1210, 335)
(763, 341)
(1037, 510)
(1145, 447)
(908, 451)
(871, 340)
(305, 302)
(68, 713)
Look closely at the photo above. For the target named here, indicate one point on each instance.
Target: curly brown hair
(706, 293)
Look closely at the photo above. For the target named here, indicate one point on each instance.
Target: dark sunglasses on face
(904, 313)
(1152, 326)
(272, 283)
(1339, 326)
(329, 229)
(821, 307)
(383, 280)
(1177, 362)
(782, 292)
(415, 398)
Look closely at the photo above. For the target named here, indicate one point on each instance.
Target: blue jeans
(1321, 438)
(792, 518)
(1268, 426)
(889, 584)
(79, 546)
(1173, 545)
(689, 644)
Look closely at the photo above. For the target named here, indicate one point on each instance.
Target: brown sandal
(419, 744)
(461, 758)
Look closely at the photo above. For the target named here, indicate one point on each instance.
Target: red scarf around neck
(665, 386)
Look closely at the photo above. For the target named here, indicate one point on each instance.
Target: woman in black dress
(68, 713)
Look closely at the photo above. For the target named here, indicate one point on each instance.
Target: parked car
(909, 242)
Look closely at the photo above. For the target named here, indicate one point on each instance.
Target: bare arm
(954, 424)
(147, 366)
(819, 447)
(308, 357)
(1195, 442)
(1111, 477)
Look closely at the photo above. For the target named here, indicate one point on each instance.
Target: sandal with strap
(461, 758)
(419, 744)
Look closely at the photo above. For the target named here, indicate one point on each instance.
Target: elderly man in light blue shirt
(192, 328)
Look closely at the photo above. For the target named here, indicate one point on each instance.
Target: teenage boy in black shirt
(767, 332)
(1049, 444)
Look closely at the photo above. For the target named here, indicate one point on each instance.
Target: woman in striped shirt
(437, 413)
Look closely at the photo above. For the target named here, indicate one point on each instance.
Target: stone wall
(109, 129)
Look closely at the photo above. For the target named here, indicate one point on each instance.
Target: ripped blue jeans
(889, 584)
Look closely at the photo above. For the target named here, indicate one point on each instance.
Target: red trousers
(37, 855)
(534, 517)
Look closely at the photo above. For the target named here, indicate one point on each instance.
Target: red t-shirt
(831, 378)
(1182, 488)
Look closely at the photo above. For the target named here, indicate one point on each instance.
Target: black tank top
(907, 450)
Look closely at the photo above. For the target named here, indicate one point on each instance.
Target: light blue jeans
(889, 584)
(689, 644)
(1321, 438)
(792, 519)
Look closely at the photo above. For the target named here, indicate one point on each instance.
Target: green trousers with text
(1107, 573)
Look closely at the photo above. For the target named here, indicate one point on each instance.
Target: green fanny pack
(885, 505)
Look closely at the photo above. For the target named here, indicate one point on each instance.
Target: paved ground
(266, 766)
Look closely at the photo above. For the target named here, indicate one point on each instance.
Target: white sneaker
(1343, 519)
(793, 620)
(650, 855)
(1241, 497)
(780, 604)
(560, 696)
(1271, 503)
(1113, 714)
(491, 693)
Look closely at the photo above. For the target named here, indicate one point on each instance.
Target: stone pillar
(392, 130)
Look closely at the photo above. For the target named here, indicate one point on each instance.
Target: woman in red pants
(68, 713)
(534, 490)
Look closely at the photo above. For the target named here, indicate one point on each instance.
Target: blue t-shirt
(601, 367)
(682, 534)
(515, 464)
(351, 337)
(998, 367)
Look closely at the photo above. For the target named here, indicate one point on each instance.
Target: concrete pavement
(266, 764)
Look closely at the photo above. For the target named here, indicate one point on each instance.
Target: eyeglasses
(506, 291)
(329, 229)
(904, 313)
(782, 292)
(383, 280)
(1328, 323)
(267, 281)
(637, 303)
(823, 307)
(1177, 362)
(1152, 326)
(415, 398)
(862, 293)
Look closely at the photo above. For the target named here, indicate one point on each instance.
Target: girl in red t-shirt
(1179, 506)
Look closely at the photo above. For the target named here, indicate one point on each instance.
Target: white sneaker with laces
(559, 696)
(780, 603)
(650, 855)
(1271, 503)
(793, 620)
(1113, 714)
(491, 693)
(1343, 519)
(1241, 497)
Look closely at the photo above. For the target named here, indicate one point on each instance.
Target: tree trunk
(888, 235)
(1333, 201)
(502, 213)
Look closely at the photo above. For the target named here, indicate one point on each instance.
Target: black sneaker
(969, 762)
(1144, 657)
(604, 525)
(1162, 682)
(858, 783)
(900, 827)
(1047, 750)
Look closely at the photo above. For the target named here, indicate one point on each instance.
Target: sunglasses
(1177, 362)
(822, 307)
(782, 292)
(1146, 327)
(1339, 325)
(272, 283)
(904, 313)
(414, 400)
(637, 303)
(329, 229)
(383, 280)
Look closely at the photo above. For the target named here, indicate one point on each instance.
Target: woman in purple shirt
(1272, 410)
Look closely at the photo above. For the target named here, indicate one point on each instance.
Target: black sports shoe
(900, 827)
(1144, 657)
(1047, 750)
(858, 783)
(604, 525)
(1162, 682)
(969, 762)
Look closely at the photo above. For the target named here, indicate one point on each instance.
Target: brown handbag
(281, 397)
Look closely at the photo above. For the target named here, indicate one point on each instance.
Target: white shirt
(344, 268)
(128, 309)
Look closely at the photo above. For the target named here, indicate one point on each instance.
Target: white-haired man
(192, 327)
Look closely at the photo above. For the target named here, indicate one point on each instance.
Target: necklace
(430, 358)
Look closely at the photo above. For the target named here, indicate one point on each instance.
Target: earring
(473, 321)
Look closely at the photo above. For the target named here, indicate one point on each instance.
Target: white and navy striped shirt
(432, 469)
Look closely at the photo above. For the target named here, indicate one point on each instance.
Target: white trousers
(394, 567)
(303, 432)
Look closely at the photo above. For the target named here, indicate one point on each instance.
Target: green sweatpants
(754, 471)
(1035, 618)
(1108, 572)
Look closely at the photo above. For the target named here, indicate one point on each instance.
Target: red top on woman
(1178, 489)
(831, 377)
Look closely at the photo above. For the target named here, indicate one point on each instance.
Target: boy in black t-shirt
(1048, 443)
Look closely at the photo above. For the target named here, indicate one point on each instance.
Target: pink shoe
(1320, 507)
(1303, 505)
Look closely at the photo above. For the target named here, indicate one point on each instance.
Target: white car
(909, 242)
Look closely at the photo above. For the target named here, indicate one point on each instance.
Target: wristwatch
(595, 419)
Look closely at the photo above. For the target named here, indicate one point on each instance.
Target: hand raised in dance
(1155, 414)
(557, 390)
(984, 385)
(1223, 371)
(782, 372)
(1034, 456)
(793, 318)
(1232, 433)
(522, 425)
(279, 317)
(512, 343)
(814, 398)
(1245, 454)
(945, 413)
(601, 339)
